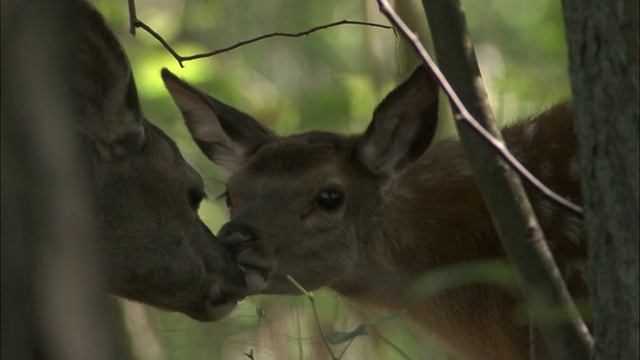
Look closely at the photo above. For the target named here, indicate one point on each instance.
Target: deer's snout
(237, 237)
(250, 253)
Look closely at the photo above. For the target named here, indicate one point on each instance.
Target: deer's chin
(255, 280)
(220, 309)
(212, 310)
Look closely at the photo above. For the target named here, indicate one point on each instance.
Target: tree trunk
(53, 301)
(603, 52)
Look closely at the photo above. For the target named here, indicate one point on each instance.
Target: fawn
(367, 214)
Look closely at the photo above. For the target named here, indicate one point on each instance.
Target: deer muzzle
(249, 253)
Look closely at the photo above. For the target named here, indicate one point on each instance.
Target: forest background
(329, 80)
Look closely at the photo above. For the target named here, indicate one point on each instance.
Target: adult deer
(158, 251)
(367, 214)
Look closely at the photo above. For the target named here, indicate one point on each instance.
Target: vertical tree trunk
(603, 52)
(53, 302)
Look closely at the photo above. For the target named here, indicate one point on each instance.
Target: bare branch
(181, 59)
(312, 300)
(164, 43)
(395, 347)
(132, 17)
(249, 354)
(281, 34)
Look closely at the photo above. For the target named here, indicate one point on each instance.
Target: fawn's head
(158, 251)
(302, 205)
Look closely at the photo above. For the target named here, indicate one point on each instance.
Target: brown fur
(400, 216)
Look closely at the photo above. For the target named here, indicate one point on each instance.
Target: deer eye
(329, 199)
(195, 197)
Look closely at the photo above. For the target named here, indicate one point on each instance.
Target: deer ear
(110, 112)
(403, 125)
(226, 135)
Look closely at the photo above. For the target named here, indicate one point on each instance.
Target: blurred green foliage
(330, 80)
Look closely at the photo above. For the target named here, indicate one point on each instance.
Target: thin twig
(468, 118)
(181, 59)
(166, 45)
(281, 34)
(309, 295)
(324, 335)
(133, 17)
(395, 347)
(299, 329)
(249, 354)
(346, 347)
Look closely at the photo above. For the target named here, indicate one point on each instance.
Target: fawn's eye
(195, 197)
(329, 199)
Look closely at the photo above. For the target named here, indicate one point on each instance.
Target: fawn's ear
(110, 112)
(403, 125)
(227, 136)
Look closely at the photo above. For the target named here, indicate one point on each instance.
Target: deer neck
(432, 207)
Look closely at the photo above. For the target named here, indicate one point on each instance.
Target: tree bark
(53, 301)
(603, 64)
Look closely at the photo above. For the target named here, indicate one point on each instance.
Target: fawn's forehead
(297, 155)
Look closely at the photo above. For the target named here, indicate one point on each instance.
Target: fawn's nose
(237, 237)
(242, 242)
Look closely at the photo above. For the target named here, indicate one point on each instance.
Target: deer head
(308, 205)
(367, 214)
(158, 250)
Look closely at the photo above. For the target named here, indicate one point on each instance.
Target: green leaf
(496, 272)
(337, 337)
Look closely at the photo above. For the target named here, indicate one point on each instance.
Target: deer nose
(237, 237)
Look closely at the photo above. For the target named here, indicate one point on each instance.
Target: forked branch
(134, 23)
(312, 300)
